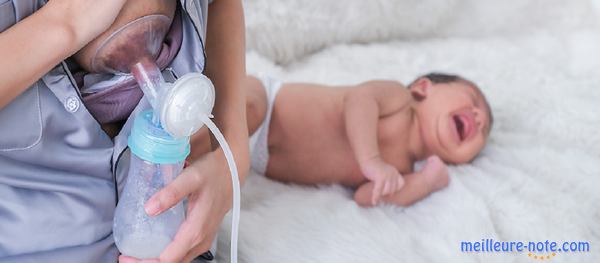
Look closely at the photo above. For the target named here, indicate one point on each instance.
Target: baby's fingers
(388, 187)
(377, 192)
(399, 183)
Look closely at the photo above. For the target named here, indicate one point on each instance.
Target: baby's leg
(256, 103)
(256, 109)
(418, 185)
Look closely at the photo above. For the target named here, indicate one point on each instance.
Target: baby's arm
(364, 105)
(36, 44)
(418, 185)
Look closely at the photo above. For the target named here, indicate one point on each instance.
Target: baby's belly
(307, 138)
(299, 162)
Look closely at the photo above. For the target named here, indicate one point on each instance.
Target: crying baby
(368, 136)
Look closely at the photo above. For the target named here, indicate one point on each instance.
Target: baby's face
(454, 119)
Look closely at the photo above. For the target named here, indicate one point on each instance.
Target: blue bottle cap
(153, 144)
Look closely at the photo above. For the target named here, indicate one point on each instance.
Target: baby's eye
(474, 100)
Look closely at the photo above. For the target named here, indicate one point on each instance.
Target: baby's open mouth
(465, 125)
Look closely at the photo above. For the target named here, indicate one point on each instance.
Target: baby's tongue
(465, 123)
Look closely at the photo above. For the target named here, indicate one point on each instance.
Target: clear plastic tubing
(235, 179)
(150, 80)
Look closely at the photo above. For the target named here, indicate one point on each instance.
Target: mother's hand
(207, 184)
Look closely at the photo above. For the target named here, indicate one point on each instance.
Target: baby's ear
(420, 88)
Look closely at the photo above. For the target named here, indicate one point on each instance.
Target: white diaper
(259, 150)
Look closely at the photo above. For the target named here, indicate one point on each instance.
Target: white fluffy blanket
(538, 179)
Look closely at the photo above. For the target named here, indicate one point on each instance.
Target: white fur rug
(539, 177)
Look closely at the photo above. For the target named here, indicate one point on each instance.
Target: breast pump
(159, 139)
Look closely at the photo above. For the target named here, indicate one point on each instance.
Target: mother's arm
(36, 44)
(226, 67)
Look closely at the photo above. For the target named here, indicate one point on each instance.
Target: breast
(138, 32)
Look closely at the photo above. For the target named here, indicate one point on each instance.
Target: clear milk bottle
(156, 159)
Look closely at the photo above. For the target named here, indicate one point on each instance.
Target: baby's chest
(398, 157)
(393, 138)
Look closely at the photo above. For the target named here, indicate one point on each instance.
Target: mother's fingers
(178, 253)
(126, 259)
(186, 183)
(181, 244)
(192, 235)
(196, 251)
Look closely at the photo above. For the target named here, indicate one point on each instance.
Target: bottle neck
(153, 144)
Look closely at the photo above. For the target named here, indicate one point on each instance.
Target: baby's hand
(386, 177)
(435, 173)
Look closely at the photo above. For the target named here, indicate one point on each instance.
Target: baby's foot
(435, 172)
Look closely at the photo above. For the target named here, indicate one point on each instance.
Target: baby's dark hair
(444, 78)
(440, 78)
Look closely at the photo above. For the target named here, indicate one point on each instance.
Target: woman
(61, 170)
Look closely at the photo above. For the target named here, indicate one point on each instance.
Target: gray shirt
(60, 174)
